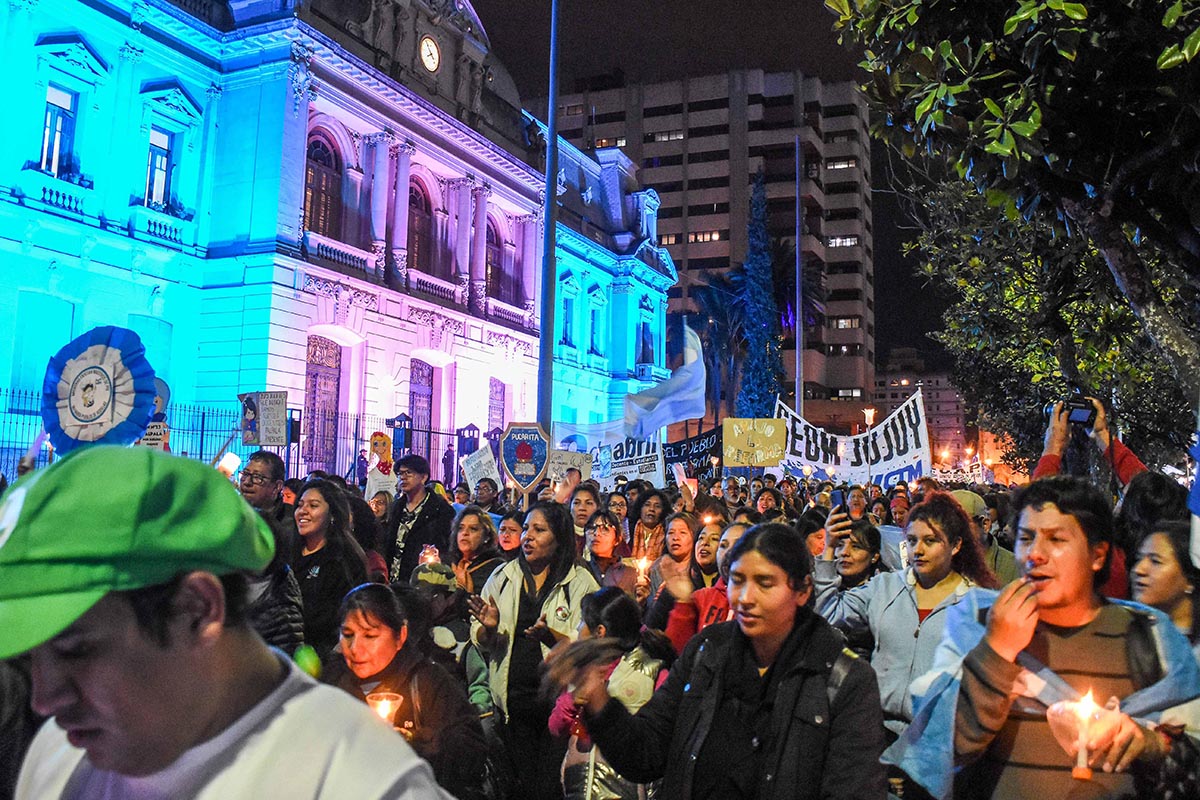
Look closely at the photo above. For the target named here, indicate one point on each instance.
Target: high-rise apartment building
(700, 142)
(950, 443)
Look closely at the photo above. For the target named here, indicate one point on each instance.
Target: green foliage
(1031, 314)
(762, 368)
(1084, 115)
(719, 323)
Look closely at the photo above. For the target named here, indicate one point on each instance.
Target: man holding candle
(980, 727)
(140, 650)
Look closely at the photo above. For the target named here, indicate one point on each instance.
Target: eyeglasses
(254, 478)
(405, 473)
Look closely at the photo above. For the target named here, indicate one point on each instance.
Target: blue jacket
(926, 749)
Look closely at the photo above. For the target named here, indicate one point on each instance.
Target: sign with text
(524, 452)
(156, 437)
(894, 450)
(696, 453)
(754, 442)
(480, 464)
(563, 460)
(613, 453)
(264, 418)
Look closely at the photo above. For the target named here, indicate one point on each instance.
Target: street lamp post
(869, 415)
(548, 300)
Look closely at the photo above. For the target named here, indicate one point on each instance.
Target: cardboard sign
(157, 437)
(480, 464)
(562, 460)
(696, 453)
(524, 452)
(264, 418)
(753, 442)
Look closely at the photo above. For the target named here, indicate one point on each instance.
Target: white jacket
(561, 609)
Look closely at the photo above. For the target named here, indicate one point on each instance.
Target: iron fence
(328, 441)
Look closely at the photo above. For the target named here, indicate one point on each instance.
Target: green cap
(109, 518)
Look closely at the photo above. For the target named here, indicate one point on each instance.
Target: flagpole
(545, 395)
(799, 316)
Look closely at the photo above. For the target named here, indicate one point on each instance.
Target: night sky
(668, 39)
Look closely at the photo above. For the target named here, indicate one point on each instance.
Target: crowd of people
(770, 638)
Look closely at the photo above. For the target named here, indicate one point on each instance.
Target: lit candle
(642, 563)
(429, 555)
(384, 704)
(1084, 710)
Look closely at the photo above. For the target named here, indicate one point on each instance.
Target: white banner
(560, 461)
(613, 453)
(894, 450)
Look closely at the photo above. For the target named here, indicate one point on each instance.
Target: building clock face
(431, 54)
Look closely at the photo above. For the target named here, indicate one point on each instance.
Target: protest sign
(480, 464)
(264, 418)
(563, 460)
(613, 453)
(696, 453)
(753, 442)
(156, 437)
(894, 450)
(524, 451)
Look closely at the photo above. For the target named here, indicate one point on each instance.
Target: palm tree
(720, 323)
(783, 268)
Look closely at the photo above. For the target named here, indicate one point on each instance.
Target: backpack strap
(838, 672)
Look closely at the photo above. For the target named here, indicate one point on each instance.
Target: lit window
(573, 110)
(668, 238)
(58, 130)
(612, 141)
(843, 323)
(841, 163)
(843, 241)
(667, 136)
(158, 169)
(704, 236)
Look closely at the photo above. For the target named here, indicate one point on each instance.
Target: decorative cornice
(403, 148)
(341, 292)
(130, 53)
(511, 345)
(481, 190)
(386, 138)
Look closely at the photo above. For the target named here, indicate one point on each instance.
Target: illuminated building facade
(339, 200)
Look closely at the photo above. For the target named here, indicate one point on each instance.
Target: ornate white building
(337, 199)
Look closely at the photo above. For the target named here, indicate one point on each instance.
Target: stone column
(208, 155)
(530, 255)
(404, 151)
(462, 234)
(381, 144)
(478, 300)
(23, 142)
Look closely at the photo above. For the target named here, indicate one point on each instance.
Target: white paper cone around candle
(384, 704)
(229, 464)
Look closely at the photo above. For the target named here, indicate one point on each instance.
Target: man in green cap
(123, 575)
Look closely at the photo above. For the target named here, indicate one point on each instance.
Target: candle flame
(642, 563)
(1086, 706)
(384, 709)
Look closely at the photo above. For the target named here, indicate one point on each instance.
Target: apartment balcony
(147, 224)
(339, 255)
(68, 196)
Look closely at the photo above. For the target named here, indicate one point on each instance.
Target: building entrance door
(322, 382)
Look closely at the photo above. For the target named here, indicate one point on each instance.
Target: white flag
(677, 398)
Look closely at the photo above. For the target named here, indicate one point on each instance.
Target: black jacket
(442, 726)
(278, 613)
(816, 748)
(432, 526)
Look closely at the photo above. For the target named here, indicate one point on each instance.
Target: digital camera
(1079, 409)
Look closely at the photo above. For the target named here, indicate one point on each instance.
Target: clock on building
(431, 54)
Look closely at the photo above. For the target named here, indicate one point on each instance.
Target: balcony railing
(146, 223)
(509, 314)
(59, 195)
(435, 287)
(339, 253)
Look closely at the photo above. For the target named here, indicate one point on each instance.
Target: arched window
(500, 282)
(420, 229)
(323, 188)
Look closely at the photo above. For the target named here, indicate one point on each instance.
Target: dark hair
(1179, 534)
(771, 490)
(489, 548)
(635, 513)
(364, 526)
(621, 617)
(488, 481)
(811, 521)
(1150, 498)
(295, 484)
(562, 525)
(780, 544)
(1077, 498)
(941, 512)
(749, 513)
(868, 537)
(588, 489)
(339, 538)
(271, 461)
(887, 509)
(374, 600)
(414, 463)
(153, 606)
(608, 518)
